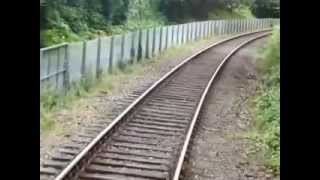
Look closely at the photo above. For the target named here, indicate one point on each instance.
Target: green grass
(266, 105)
(52, 101)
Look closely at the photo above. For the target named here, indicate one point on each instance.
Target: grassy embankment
(265, 106)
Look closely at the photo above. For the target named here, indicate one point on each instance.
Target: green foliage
(266, 8)
(72, 20)
(67, 21)
(267, 104)
(75, 18)
(238, 13)
(56, 36)
(243, 11)
(182, 10)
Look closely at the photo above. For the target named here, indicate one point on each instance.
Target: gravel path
(105, 106)
(217, 152)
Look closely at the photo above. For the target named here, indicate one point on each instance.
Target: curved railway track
(149, 139)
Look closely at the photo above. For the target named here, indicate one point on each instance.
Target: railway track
(149, 139)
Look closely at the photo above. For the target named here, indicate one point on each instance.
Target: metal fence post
(111, 54)
(199, 31)
(202, 29)
(153, 42)
(235, 26)
(66, 82)
(246, 25)
(172, 37)
(49, 64)
(194, 34)
(178, 35)
(123, 41)
(232, 30)
(212, 28)
(188, 32)
(98, 69)
(41, 62)
(83, 64)
(167, 38)
(147, 44)
(183, 34)
(139, 55)
(132, 50)
(223, 27)
(57, 69)
(227, 26)
(160, 40)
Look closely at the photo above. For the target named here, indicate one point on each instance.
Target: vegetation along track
(149, 139)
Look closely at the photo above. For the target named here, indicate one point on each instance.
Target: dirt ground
(217, 152)
(105, 106)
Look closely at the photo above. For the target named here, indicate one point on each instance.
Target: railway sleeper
(134, 152)
(155, 127)
(127, 171)
(133, 158)
(142, 147)
(129, 164)
(149, 131)
(165, 124)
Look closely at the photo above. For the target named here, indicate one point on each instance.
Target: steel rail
(203, 96)
(64, 173)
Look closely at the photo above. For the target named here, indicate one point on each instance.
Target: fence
(63, 64)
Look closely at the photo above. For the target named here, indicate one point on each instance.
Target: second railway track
(150, 138)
